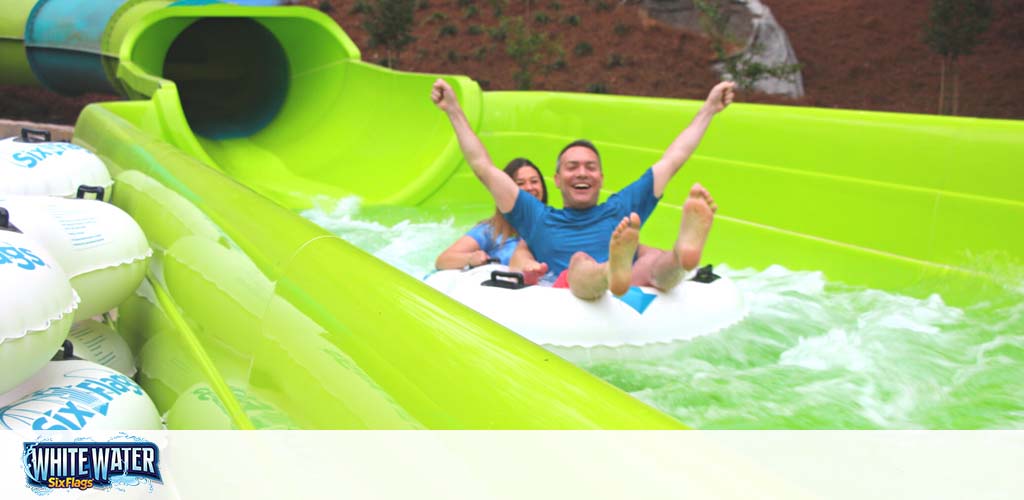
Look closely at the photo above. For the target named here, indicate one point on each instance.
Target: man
(592, 245)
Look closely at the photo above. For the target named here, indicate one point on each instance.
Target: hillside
(865, 54)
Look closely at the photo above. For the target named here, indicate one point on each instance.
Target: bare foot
(621, 248)
(533, 272)
(588, 280)
(698, 212)
(698, 191)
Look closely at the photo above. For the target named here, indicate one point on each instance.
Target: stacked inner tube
(38, 307)
(64, 263)
(33, 165)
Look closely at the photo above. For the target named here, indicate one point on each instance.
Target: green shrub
(529, 50)
(498, 6)
(572, 20)
(437, 17)
(597, 88)
(470, 12)
(389, 23)
(448, 30)
(360, 7)
(621, 29)
(541, 18)
(498, 33)
(583, 49)
(474, 29)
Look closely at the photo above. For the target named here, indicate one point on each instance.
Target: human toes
(623, 224)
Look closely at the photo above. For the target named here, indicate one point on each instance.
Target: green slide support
(13, 59)
(257, 318)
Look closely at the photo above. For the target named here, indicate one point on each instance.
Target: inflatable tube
(102, 250)
(553, 316)
(38, 305)
(78, 395)
(31, 166)
(97, 342)
(200, 408)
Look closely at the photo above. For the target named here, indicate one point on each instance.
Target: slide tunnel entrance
(232, 76)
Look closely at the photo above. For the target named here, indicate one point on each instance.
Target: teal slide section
(254, 318)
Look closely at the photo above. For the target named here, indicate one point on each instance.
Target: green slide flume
(239, 117)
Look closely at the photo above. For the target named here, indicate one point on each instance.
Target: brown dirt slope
(624, 56)
(869, 54)
(863, 54)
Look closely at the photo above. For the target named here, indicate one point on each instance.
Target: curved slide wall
(284, 325)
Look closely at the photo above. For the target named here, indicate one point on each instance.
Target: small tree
(389, 23)
(530, 51)
(953, 29)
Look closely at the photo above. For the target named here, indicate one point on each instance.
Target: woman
(494, 237)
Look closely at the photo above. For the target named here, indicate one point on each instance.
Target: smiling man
(594, 246)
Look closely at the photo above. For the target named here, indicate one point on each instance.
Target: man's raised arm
(684, 145)
(503, 189)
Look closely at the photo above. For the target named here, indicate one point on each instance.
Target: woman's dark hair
(518, 163)
(499, 225)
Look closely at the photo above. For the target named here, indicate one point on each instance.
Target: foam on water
(811, 354)
(835, 349)
(410, 246)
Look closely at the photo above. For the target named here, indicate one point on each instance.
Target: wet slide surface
(814, 353)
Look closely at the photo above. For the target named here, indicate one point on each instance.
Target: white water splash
(835, 349)
(811, 354)
(407, 245)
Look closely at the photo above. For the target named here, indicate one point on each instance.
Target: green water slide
(253, 317)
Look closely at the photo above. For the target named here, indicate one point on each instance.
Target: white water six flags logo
(84, 465)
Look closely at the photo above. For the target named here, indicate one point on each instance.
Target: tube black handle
(69, 350)
(706, 275)
(96, 190)
(35, 135)
(501, 279)
(5, 221)
(518, 277)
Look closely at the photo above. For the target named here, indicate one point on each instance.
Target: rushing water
(812, 354)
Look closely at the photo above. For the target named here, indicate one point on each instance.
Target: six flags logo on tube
(85, 465)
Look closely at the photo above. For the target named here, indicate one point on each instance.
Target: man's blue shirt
(554, 235)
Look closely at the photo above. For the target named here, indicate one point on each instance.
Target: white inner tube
(78, 395)
(553, 316)
(97, 342)
(100, 247)
(49, 169)
(38, 307)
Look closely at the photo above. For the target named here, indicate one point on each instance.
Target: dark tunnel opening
(232, 76)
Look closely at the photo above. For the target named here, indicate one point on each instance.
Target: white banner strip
(558, 465)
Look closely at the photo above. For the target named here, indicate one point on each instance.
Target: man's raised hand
(443, 96)
(720, 97)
